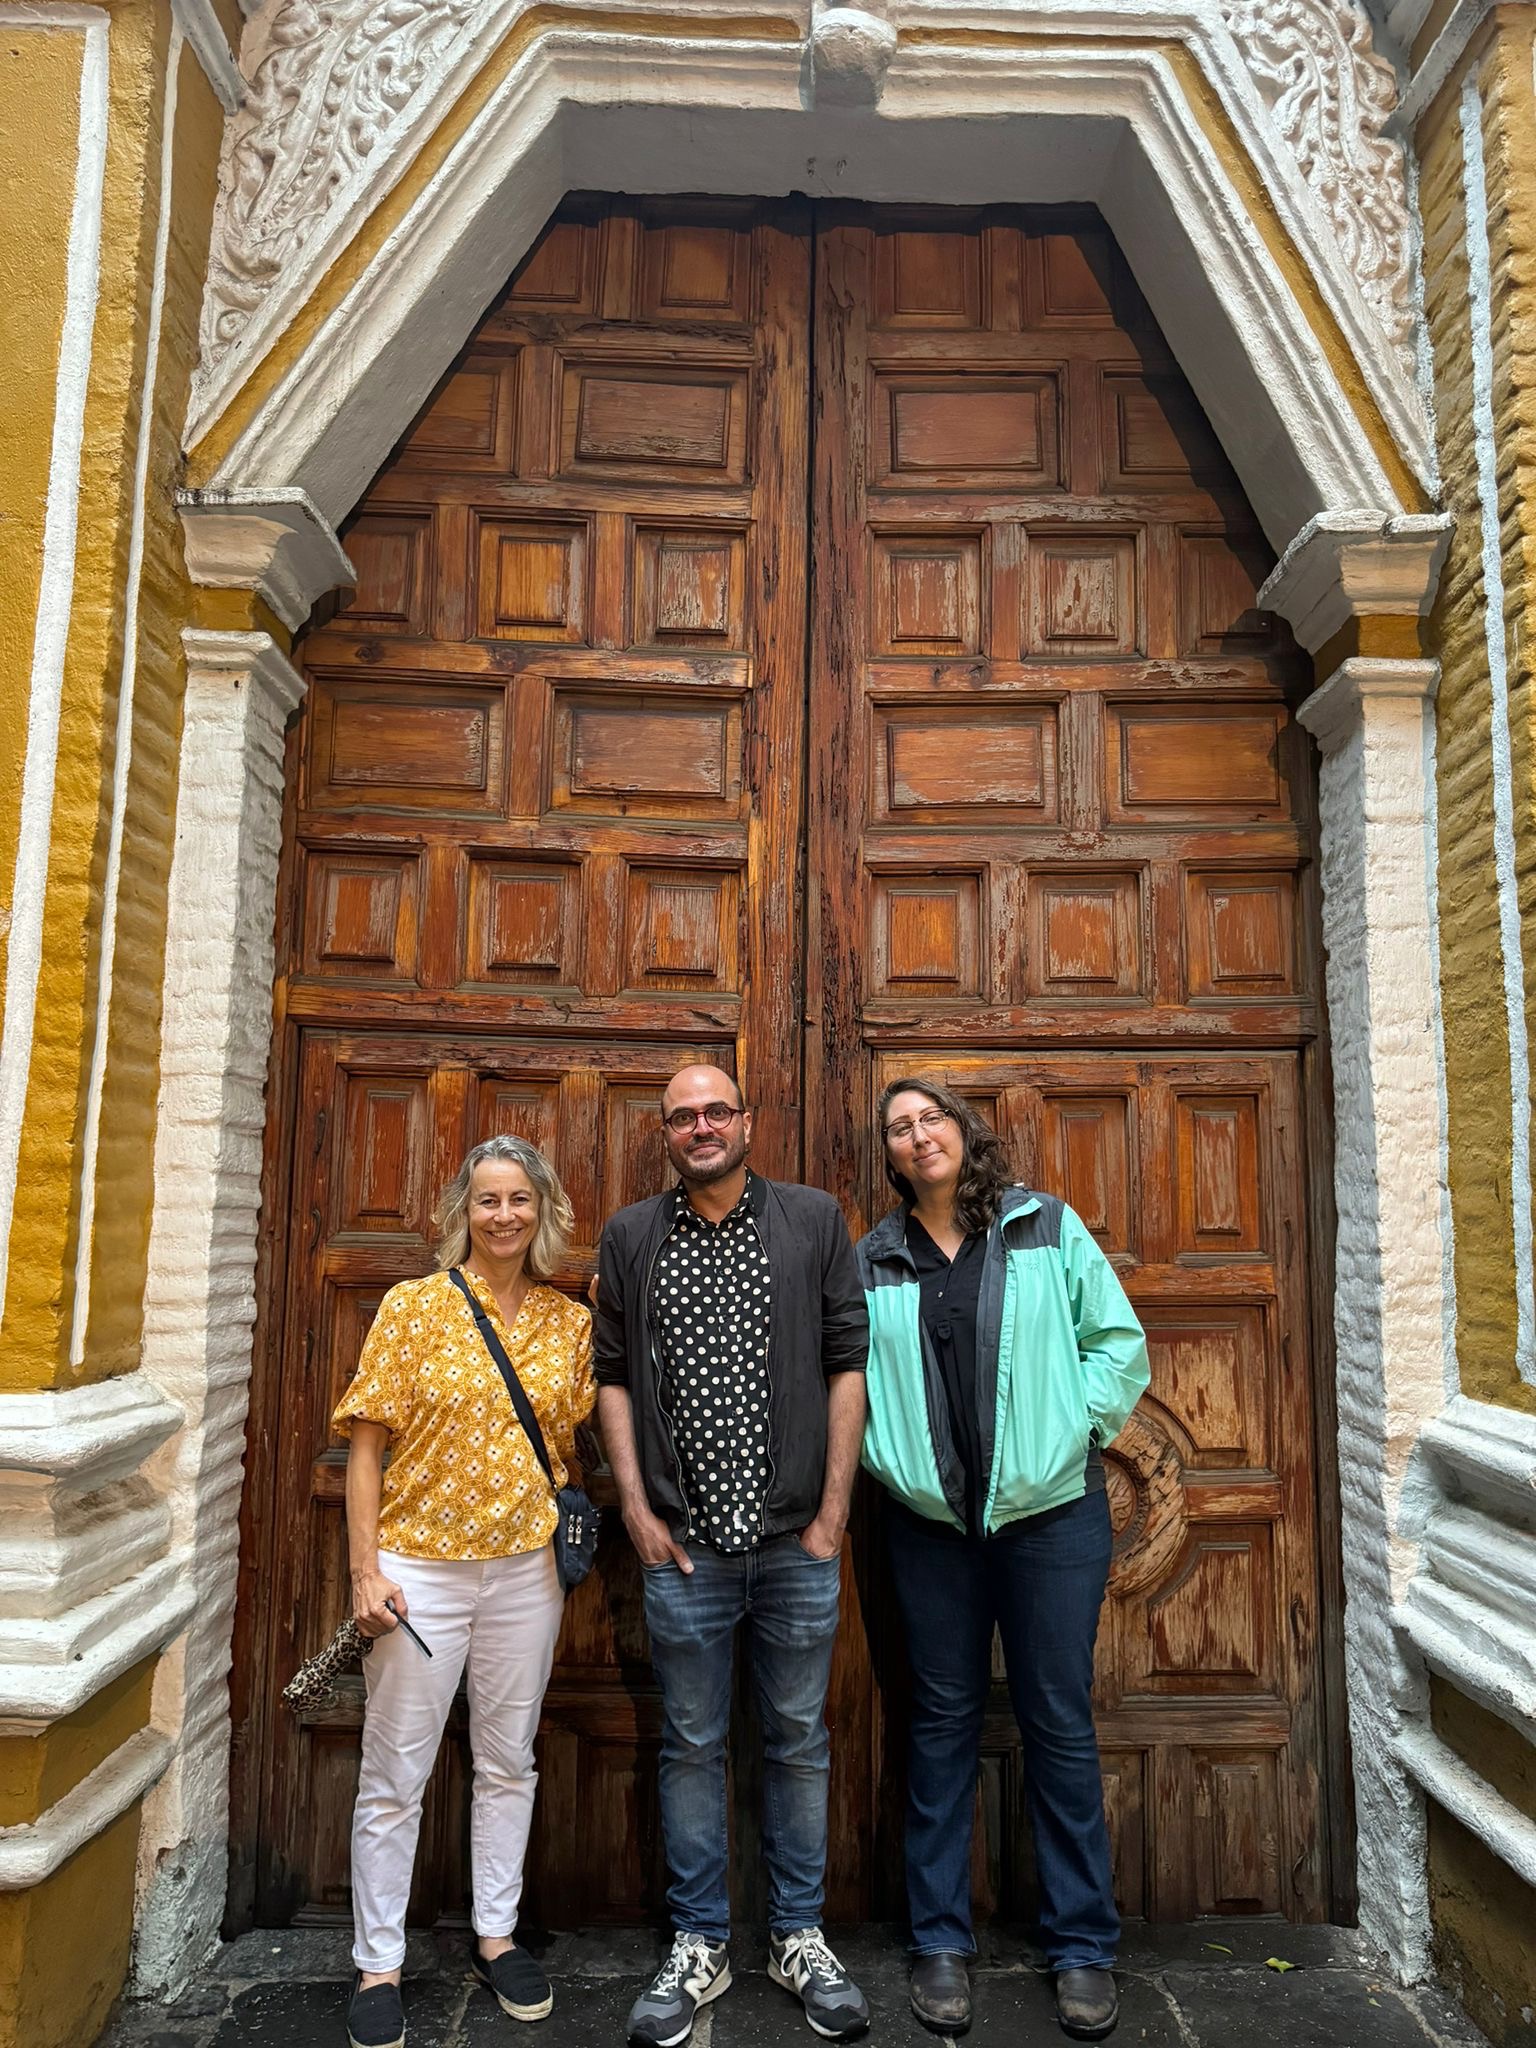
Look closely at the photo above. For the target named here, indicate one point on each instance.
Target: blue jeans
(1041, 1583)
(789, 1600)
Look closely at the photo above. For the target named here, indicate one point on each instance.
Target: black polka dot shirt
(710, 1305)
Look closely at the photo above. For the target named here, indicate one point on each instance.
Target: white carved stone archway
(391, 167)
(1150, 110)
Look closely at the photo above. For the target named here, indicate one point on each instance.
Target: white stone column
(200, 1300)
(1372, 721)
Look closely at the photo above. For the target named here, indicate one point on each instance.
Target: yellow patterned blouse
(463, 1481)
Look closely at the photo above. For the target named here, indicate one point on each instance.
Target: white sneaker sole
(827, 2033)
(721, 1983)
(541, 2011)
(523, 2012)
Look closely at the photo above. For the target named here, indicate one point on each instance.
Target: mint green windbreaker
(1060, 1363)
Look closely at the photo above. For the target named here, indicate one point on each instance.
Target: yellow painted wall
(1482, 1914)
(1499, 1753)
(64, 1944)
(40, 1282)
(1476, 1037)
(39, 1305)
(1509, 130)
(39, 123)
(1483, 1917)
(125, 1157)
(1478, 1095)
(38, 1769)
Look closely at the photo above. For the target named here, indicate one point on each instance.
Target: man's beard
(713, 1166)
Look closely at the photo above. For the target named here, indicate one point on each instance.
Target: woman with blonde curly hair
(450, 1555)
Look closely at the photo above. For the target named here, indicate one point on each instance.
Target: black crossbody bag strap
(520, 1402)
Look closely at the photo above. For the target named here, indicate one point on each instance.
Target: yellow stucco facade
(37, 173)
(1477, 151)
(51, 1338)
(1478, 1079)
(64, 1942)
(101, 273)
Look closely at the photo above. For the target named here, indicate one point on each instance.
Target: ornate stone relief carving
(1330, 96)
(328, 80)
(334, 82)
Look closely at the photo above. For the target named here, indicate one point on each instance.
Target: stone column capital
(274, 542)
(253, 657)
(1339, 707)
(1357, 563)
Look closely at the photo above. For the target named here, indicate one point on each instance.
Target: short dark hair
(985, 1169)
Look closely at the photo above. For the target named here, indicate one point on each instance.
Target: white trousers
(502, 1618)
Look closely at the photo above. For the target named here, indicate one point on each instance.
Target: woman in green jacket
(1003, 1356)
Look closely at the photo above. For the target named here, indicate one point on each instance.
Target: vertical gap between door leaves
(808, 880)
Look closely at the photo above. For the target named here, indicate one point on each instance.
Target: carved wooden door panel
(544, 820)
(545, 840)
(1059, 821)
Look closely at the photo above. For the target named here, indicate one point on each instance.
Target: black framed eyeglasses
(716, 1114)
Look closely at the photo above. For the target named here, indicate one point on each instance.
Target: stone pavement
(1205, 1986)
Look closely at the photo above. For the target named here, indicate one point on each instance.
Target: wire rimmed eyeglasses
(904, 1126)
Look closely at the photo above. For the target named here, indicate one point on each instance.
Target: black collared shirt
(950, 1291)
(711, 1296)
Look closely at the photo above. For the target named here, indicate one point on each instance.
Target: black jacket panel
(819, 1325)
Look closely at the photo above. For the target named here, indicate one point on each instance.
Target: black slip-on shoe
(375, 2017)
(521, 1987)
(1087, 2003)
(941, 1992)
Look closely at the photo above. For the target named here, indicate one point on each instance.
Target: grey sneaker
(695, 1972)
(834, 2005)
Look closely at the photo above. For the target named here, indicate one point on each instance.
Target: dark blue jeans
(1040, 1582)
(789, 1601)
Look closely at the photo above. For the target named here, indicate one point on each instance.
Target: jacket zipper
(994, 1294)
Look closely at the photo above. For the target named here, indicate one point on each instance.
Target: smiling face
(701, 1151)
(923, 1142)
(503, 1211)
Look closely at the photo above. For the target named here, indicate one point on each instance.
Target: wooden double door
(825, 644)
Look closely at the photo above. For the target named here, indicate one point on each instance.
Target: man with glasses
(729, 1346)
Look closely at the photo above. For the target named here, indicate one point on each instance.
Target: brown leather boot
(1087, 2003)
(941, 1993)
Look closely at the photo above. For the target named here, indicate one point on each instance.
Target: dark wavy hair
(985, 1170)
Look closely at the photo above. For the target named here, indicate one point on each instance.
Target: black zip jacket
(818, 1326)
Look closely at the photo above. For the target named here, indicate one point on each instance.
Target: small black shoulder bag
(575, 1538)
